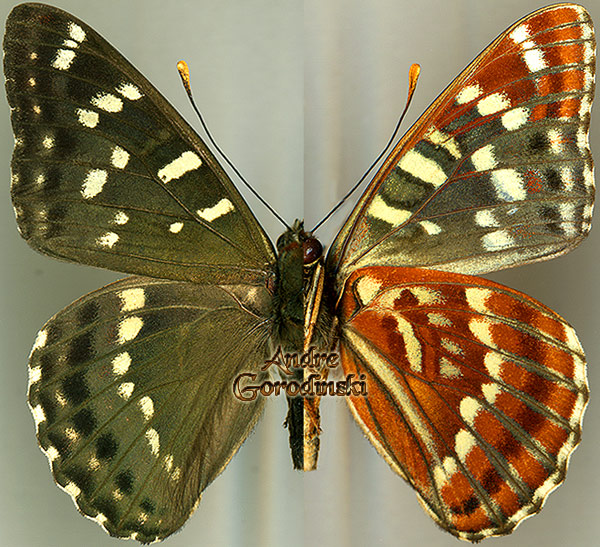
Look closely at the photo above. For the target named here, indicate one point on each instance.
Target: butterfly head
(295, 238)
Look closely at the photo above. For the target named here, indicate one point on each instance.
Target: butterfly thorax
(299, 291)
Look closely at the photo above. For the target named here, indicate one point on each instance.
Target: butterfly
(475, 392)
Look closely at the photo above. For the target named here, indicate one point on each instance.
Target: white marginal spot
(367, 288)
(463, 443)
(76, 32)
(125, 390)
(107, 240)
(515, 118)
(477, 298)
(153, 440)
(209, 214)
(430, 227)
(568, 214)
(129, 91)
(72, 489)
(556, 141)
(121, 218)
(448, 369)
(71, 43)
(572, 340)
(469, 408)
(381, 210)
(188, 161)
(486, 218)
(147, 407)
(494, 362)
(129, 328)
(588, 52)
(107, 102)
(39, 415)
(585, 106)
(121, 363)
(94, 182)
(493, 103)
(63, 59)
(100, 519)
(588, 79)
(469, 93)
(119, 157)
(52, 454)
(481, 328)
(40, 340)
(176, 227)
(582, 139)
(509, 185)
(451, 346)
(588, 176)
(35, 375)
(422, 168)
(132, 299)
(484, 159)
(491, 392)
(498, 240)
(439, 320)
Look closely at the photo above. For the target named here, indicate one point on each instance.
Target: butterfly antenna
(413, 77)
(184, 73)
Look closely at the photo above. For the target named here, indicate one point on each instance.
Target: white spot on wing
(107, 102)
(188, 161)
(76, 32)
(153, 440)
(147, 407)
(125, 390)
(119, 157)
(493, 103)
(209, 214)
(469, 93)
(469, 408)
(498, 240)
(70, 43)
(176, 227)
(87, 118)
(39, 415)
(515, 118)
(35, 375)
(381, 210)
(129, 91)
(132, 299)
(464, 442)
(509, 185)
(483, 159)
(129, 328)
(63, 59)
(121, 363)
(94, 182)
(121, 218)
(430, 227)
(107, 240)
(477, 298)
(533, 57)
(422, 168)
(485, 218)
(40, 340)
(72, 489)
(48, 142)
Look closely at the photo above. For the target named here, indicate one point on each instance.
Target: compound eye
(313, 250)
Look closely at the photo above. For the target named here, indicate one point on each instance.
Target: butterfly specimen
(473, 392)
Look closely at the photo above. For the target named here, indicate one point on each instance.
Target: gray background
(302, 96)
